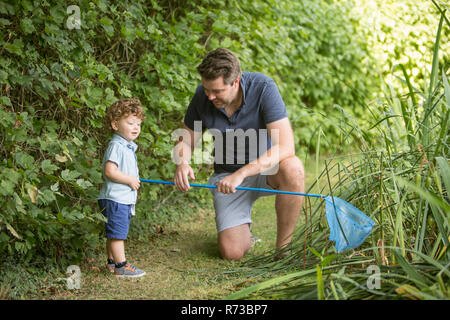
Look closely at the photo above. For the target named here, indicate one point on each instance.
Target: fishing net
(349, 227)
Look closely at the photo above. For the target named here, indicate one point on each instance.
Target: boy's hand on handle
(134, 183)
(181, 177)
(113, 173)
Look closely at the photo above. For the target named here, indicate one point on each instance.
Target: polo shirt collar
(131, 145)
(242, 84)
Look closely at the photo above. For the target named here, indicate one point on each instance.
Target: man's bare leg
(234, 242)
(290, 177)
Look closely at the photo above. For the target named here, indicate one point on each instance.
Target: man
(230, 101)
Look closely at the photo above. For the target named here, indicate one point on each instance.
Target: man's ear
(236, 82)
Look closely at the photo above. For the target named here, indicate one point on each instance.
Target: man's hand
(229, 183)
(181, 177)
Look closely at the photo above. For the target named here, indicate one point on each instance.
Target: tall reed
(403, 185)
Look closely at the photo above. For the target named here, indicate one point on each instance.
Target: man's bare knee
(234, 242)
(294, 166)
(291, 175)
(231, 253)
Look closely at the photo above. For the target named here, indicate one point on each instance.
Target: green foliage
(22, 278)
(314, 50)
(56, 82)
(403, 32)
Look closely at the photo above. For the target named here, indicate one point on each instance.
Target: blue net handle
(352, 232)
(239, 188)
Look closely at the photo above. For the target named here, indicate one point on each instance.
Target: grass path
(181, 263)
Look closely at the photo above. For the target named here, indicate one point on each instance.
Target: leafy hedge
(403, 32)
(56, 83)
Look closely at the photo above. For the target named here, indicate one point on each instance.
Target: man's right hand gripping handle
(182, 173)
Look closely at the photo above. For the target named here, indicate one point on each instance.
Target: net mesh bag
(349, 226)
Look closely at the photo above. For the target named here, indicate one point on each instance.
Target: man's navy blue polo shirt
(261, 104)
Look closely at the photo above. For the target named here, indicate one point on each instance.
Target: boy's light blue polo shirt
(121, 152)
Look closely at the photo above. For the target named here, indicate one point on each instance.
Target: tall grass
(403, 185)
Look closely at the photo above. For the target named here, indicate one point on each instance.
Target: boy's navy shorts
(119, 217)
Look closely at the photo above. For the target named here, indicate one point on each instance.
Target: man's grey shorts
(235, 209)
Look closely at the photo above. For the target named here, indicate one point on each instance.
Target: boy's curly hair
(123, 108)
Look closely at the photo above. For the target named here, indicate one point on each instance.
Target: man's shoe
(254, 240)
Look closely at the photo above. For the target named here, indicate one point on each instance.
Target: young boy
(121, 175)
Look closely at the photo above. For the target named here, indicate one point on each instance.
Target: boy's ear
(114, 125)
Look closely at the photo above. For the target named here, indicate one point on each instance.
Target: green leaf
(426, 194)
(47, 196)
(4, 22)
(6, 101)
(27, 5)
(69, 175)
(48, 167)
(3, 76)
(16, 47)
(315, 253)
(13, 231)
(125, 92)
(418, 279)
(58, 14)
(128, 33)
(446, 89)
(24, 160)
(326, 260)
(320, 287)
(11, 175)
(266, 284)
(105, 21)
(444, 170)
(84, 184)
(6, 187)
(27, 25)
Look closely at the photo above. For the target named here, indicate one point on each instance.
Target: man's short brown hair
(123, 108)
(220, 63)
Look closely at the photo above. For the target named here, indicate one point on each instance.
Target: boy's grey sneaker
(110, 267)
(128, 271)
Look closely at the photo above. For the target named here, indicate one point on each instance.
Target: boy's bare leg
(116, 249)
(108, 249)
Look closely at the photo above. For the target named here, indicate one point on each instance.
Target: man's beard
(222, 104)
